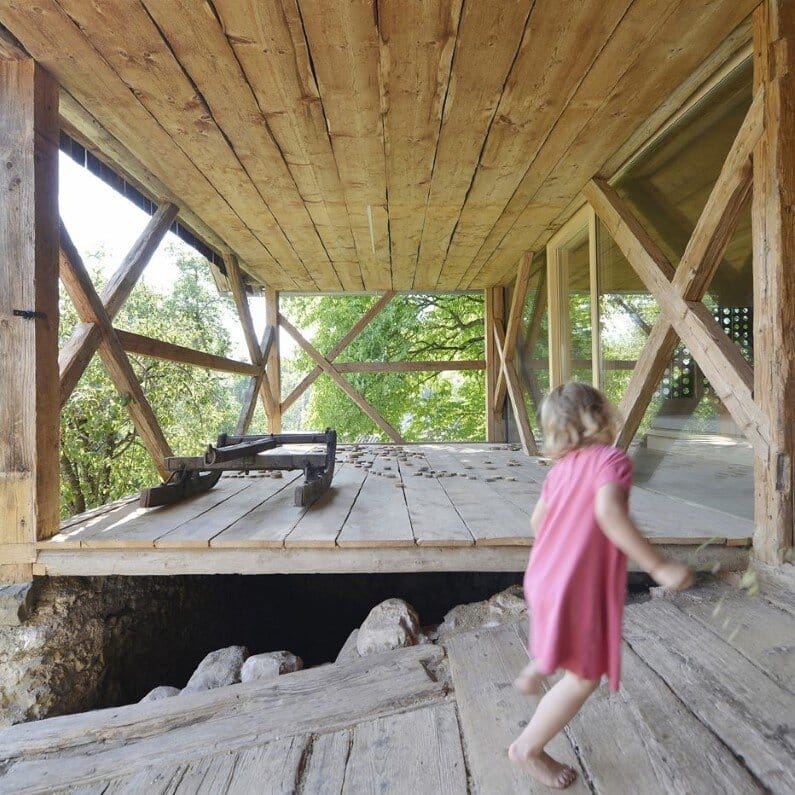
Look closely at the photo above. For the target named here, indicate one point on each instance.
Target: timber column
(774, 276)
(273, 370)
(29, 388)
(494, 315)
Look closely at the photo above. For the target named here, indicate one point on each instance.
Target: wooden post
(273, 363)
(29, 430)
(774, 276)
(494, 314)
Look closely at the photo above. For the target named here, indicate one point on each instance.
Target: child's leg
(554, 711)
(530, 680)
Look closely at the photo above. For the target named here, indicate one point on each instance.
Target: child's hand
(672, 575)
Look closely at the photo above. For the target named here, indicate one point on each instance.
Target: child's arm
(616, 524)
(538, 516)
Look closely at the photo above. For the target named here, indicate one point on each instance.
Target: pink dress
(576, 581)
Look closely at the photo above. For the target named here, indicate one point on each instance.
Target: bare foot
(543, 768)
(529, 681)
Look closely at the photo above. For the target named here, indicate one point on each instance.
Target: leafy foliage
(421, 405)
(102, 457)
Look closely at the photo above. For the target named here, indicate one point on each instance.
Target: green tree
(102, 457)
(420, 405)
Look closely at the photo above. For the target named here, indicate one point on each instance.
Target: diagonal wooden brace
(703, 253)
(90, 309)
(513, 325)
(85, 339)
(363, 322)
(679, 292)
(253, 389)
(344, 385)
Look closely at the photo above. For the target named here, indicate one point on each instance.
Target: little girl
(575, 584)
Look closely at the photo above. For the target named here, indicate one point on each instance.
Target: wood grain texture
(749, 713)
(82, 345)
(774, 280)
(29, 443)
(90, 309)
(483, 664)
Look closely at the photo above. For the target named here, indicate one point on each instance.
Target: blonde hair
(574, 415)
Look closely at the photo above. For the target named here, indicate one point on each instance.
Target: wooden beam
(328, 368)
(494, 315)
(90, 309)
(253, 388)
(272, 361)
(168, 351)
(244, 312)
(514, 323)
(360, 326)
(720, 360)
(515, 394)
(410, 367)
(82, 345)
(29, 465)
(774, 277)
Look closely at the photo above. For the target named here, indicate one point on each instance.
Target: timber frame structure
(291, 207)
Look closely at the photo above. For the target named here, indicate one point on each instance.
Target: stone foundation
(83, 643)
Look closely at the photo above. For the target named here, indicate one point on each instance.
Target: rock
(161, 692)
(501, 608)
(393, 624)
(16, 603)
(270, 665)
(218, 669)
(349, 651)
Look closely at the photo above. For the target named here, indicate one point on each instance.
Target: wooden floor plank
(406, 754)
(667, 519)
(489, 516)
(483, 664)
(762, 633)
(644, 740)
(324, 770)
(268, 524)
(141, 529)
(368, 524)
(434, 518)
(748, 711)
(199, 531)
(322, 522)
(94, 524)
(112, 743)
(274, 767)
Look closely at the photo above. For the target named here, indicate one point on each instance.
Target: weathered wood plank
(268, 524)
(656, 745)
(321, 699)
(29, 465)
(274, 766)
(748, 712)
(325, 769)
(368, 525)
(321, 523)
(417, 751)
(168, 351)
(434, 518)
(140, 528)
(490, 519)
(199, 531)
(760, 632)
(774, 278)
(483, 664)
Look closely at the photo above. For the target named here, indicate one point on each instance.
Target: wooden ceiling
(371, 144)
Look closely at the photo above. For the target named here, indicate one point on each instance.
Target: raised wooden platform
(705, 706)
(391, 508)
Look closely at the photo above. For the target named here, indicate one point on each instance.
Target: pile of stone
(228, 667)
(394, 623)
